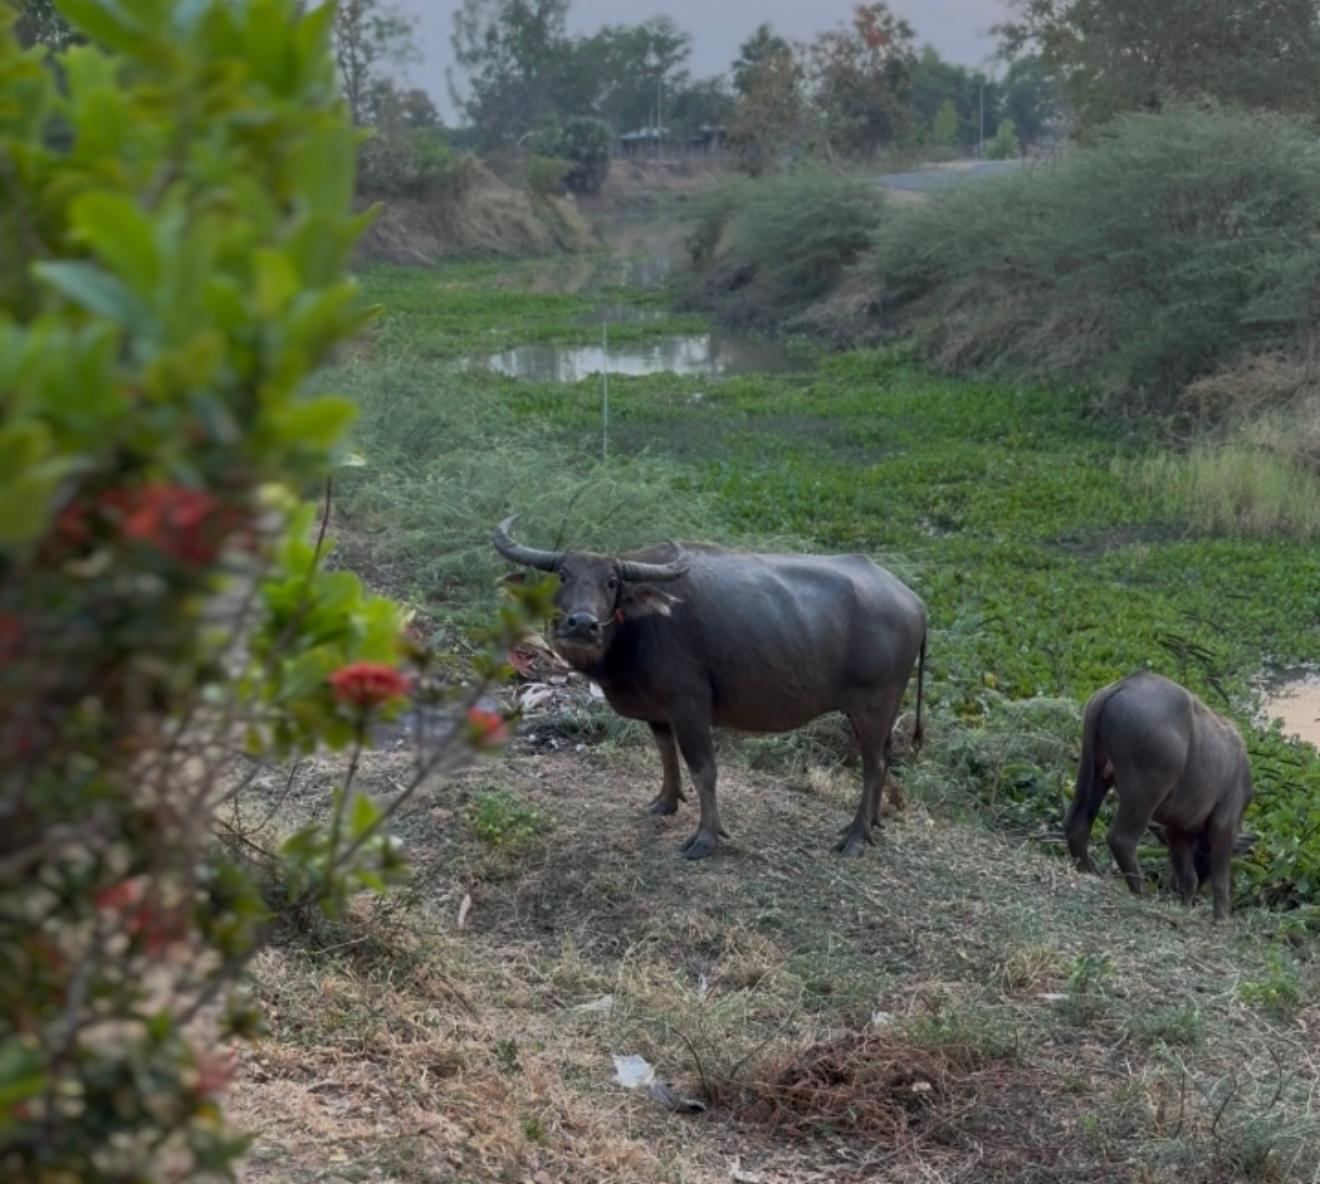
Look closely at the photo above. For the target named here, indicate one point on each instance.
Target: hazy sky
(957, 28)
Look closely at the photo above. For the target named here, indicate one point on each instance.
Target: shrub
(176, 224)
(1004, 145)
(1173, 245)
(788, 238)
(401, 161)
(546, 175)
(584, 142)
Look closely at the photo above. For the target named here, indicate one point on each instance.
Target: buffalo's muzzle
(579, 627)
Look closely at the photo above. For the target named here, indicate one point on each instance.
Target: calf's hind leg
(671, 789)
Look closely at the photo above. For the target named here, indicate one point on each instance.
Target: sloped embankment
(485, 217)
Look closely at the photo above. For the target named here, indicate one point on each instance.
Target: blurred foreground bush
(175, 222)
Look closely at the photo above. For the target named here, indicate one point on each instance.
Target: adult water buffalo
(1172, 761)
(688, 636)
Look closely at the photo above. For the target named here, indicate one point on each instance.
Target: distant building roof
(646, 133)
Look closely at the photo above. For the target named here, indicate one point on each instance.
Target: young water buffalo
(687, 636)
(1172, 761)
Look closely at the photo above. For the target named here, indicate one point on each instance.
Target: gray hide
(1172, 761)
(690, 636)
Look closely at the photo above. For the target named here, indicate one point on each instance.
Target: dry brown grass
(487, 218)
(809, 1000)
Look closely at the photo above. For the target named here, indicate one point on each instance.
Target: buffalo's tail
(1089, 790)
(918, 730)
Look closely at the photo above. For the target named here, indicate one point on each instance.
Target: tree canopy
(1113, 56)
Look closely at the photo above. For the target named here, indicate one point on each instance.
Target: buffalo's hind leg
(1182, 860)
(1221, 836)
(671, 789)
(872, 724)
(694, 741)
(1130, 823)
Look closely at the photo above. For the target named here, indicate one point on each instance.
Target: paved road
(927, 180)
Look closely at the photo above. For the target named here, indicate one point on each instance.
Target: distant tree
(768, 120)
(517, 57)
(633, 72)
(368, 33)
(1112, 56)
(1029, 98)
(944, 127)
(762, 45)
(704, 103)
(860, 81)
(935, 81)
(412, 108)
(1005, 144)
(419, 109)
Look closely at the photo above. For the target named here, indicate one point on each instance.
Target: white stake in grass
(604, 389)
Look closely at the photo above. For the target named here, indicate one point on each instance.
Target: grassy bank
(960, 1003)
(1166, 265)
(1029, 528)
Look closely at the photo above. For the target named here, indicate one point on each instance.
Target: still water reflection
(700, 353)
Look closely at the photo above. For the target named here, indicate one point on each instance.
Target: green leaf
(113, 226)
(277, 281)
(106, 22)
(29, 473)
(317, 423)
(364, 814)
(22, 1073)
(98, 292)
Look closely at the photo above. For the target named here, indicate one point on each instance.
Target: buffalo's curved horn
(517, 553)
(655, 573)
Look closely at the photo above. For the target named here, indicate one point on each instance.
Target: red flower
(121, 895)
(143, 917)
(369, 684)
(488, 728)
(189, 525)
(11, 633)
(215, 1070)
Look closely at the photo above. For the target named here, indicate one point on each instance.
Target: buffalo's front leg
(695, 743)
(671, 789)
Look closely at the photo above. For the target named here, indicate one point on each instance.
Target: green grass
(500, 820)
(1235, 489)
(1047, 566)
(476, 308)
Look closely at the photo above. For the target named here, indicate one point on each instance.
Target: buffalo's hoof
(661, 805)
(853, 845)
(698, 846)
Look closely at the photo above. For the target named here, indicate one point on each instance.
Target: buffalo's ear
(513, 577)
(644, 600)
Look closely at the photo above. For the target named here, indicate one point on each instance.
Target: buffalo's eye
(612, 583)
